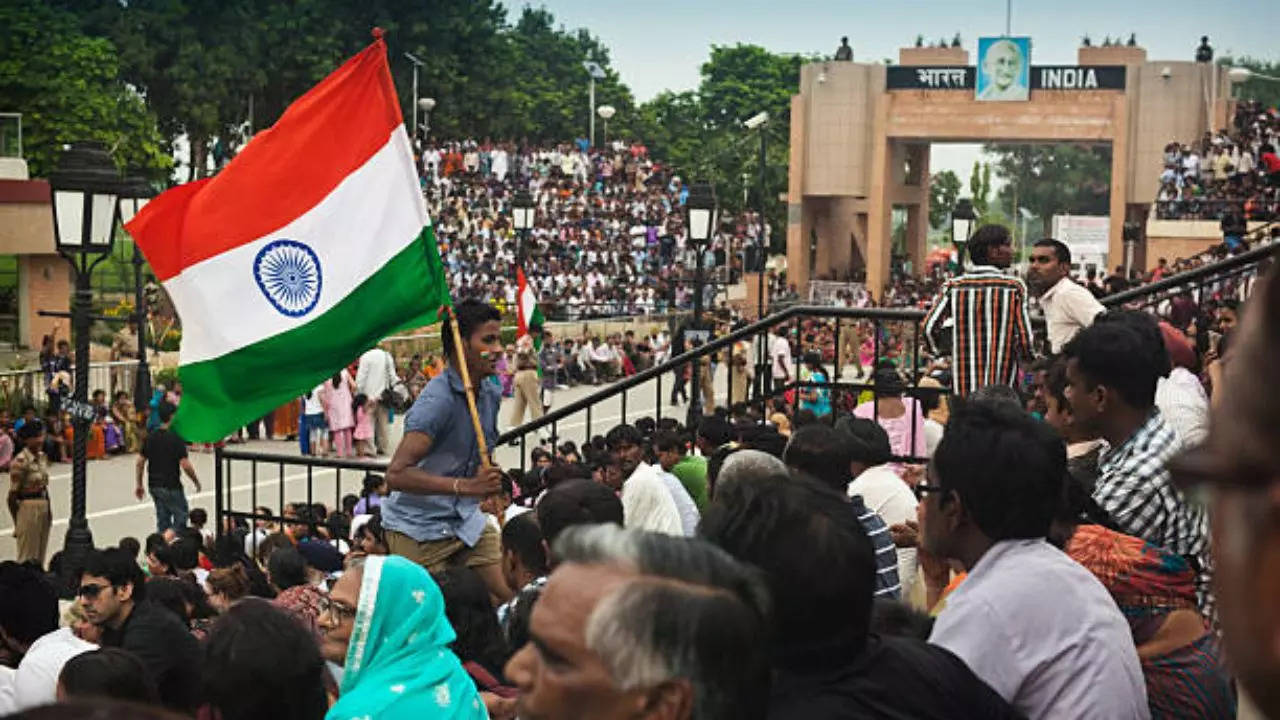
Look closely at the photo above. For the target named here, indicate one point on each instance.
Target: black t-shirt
(894, 677)
(167, 649)
(163, 451)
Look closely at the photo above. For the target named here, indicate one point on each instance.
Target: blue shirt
(441, 413)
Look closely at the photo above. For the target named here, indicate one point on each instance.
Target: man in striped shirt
(987, 310)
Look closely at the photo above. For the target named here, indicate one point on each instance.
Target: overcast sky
(660, 44)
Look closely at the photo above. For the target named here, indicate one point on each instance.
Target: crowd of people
(836, 554)
(1232, 175)
(608, 236)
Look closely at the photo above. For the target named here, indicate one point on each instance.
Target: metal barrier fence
(245, 482)
(28, 385)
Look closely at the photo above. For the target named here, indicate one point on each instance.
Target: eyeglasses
(336, 611)
(90, 591)
(922, 488)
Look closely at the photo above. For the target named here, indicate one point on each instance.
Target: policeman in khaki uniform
(526, 385)
(29, 494)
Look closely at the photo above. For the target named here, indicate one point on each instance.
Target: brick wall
(45, 282)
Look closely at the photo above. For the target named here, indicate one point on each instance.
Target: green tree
(742, 80)
(980, 187)
(1053, 179)
(67, 86)
(944, 189)
(1263, 90)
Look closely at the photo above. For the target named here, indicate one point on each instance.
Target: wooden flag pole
(470, 391)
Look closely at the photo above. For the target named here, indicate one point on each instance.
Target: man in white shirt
(647, 502)
(882, 489)
(784, 370)
(1068, 307)
(375, 375)
(1035, 625)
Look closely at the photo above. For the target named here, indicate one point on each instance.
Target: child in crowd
(363, 433)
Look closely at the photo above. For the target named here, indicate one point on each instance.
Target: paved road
(114, 513)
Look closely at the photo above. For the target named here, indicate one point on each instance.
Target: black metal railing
(243, 484)
(1230, 275)
(550, 427)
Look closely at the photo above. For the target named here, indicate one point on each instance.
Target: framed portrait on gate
(1004, 69)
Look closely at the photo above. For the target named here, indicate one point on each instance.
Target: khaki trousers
(708, 390)
(31, 530)
(527, 393)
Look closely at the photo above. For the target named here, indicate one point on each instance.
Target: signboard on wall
(1043, 77)
(1087, 236)
(1004, 69)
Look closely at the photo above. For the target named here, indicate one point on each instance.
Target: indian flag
(527, 303)
(311, 246)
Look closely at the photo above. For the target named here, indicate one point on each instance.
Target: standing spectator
(336, 397)
(526, 386)
(1111, 384)
(162, 455)
(28, 497)
(375, 377)
(1068, 307)
(990, 324)
(994, 486)
(113, 592)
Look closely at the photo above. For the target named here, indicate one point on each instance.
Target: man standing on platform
(990, 325)
(376, 375)
(437, 477)
(1068, 307)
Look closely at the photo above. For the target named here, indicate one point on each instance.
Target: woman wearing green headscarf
(385, 623)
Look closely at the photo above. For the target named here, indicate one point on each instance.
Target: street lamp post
(522, 221)
(133, 198)
(962, 222)
(416, 64)
(606, 112)
(85, 190)
(594, 73)
(759, 122)
(701, 207)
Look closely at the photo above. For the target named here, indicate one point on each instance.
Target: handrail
(899, 314)
(1236, 261)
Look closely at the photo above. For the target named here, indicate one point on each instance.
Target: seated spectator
(258, 664)
(822, 453)
(819, 567)
(525, 567)
(901, 417)
(1181, 656)
(611, 636)
(296, 593)
(690, 470)
(107, 673)
(479, 644)
(385, 624)
(113, 593)
(186, 600)
(648, 502)
(28, 613)
(225, 586)
(881, 488)
(370, 538)
(994, 486)
(1112, 369)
